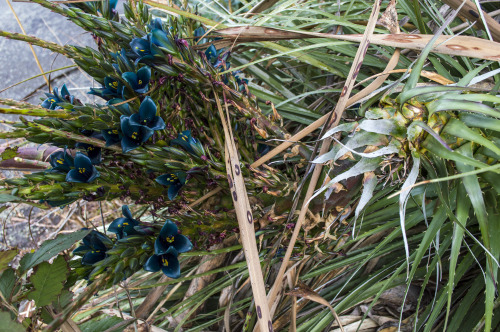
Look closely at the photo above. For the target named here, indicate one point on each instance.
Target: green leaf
(5, 198)
(48, 281)
(9, 153)
(101, 324)
(6, 256)
(8, 324)
(7, 282)
(51, 248)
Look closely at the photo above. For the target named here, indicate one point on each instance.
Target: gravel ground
(22, 226)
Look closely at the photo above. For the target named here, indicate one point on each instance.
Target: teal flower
(112, 88)
(160, 38)
(168, 245)
(111, 136)
(123, 227)
(123, 61)
(133, 135)
(55, 98)
(84, 171)
(93, 250)
(170, 238)
(93, 152)
(174, 182)
(139, 81)
(188, 143)
(147, 116)
(168, 263)
(143, 48)
(61, 161)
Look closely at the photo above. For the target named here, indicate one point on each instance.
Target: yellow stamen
(81, 170)
(140, 82)
(125, 224)
(169, 239)
(164, 261)
(60, 161)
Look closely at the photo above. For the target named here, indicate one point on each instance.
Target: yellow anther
(164, 261)
(169, 239)
(125, 224)
(81, 170)
(140, 82)
(60, 161)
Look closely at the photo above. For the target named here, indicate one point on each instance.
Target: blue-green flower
(198, 33)
(160, 38)
(170, 238)
(112, 88)
(133, 135)
(84, 171)
(123, 227)
(111, 136)
(139, 81)
(190, 144)
(174, 181)
(123, 61)
(93, 152)
(61, 161)
(168, 245)
(168, 263)
(147, 116)
(55, 98)
(143, 48)
(93, 250)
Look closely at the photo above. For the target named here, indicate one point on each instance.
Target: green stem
(37, 112)
(75, 137)
(35, 41)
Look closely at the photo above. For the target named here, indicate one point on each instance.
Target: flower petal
(161, 247)
(126, 212)
(173, 190)
(147, 110)
(74, 176)
(152, 264)
(144, 74)
(182, 243)
(93, 257)
(131, 78)
(173, 269)
(169, 229)
(116, 226)
(129, 144)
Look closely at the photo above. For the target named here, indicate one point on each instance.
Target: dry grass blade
(307, 293)
(245, 220)
(453, 45)
(469, 11)
(351, 78)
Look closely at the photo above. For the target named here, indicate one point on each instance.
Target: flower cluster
(100, 252)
